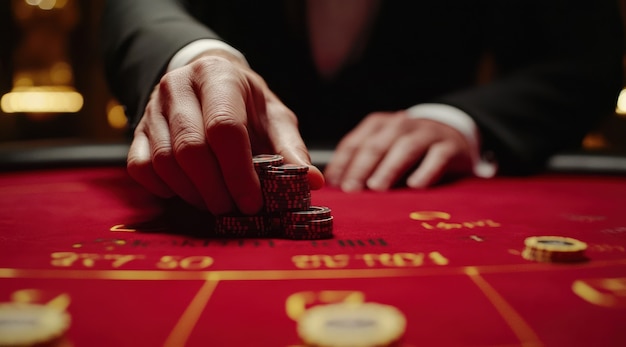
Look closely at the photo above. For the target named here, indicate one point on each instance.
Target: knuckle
(166, 83)
(161, 150)
(171, 84)
(375, 146)
(349, 143)
(223, 125)
(215, 68)
(372, 119)
(224, 119)
(445, 151)
(279, 111)
(137, 168)
(209, 62)
(189, 143)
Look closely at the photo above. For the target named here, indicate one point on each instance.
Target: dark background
(34, 39)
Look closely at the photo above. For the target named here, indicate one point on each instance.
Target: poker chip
(23, 324)
(243, 226)
(312, 213)
(554, 249)
(351, 325)
(287, 210)
(287, 169)
(265, 160)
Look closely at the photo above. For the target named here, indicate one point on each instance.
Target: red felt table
(137, 271)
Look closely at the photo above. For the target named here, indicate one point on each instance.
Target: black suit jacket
(556, 63)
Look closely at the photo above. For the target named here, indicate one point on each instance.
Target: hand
(200, 129)
(385, 146)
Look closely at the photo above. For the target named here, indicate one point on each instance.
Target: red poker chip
(287, 198)
(265, 160)
(303, 232)
(287, 209)
(289, 169)
(282, 176)
(313, 212)
(275, 209)
(245, 234)
(304, 203)
(304, 185)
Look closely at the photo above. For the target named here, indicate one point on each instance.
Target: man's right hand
(200, 129)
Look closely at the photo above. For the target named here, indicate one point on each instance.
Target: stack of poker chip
(554, 249)
(287, 211)
(285, 188)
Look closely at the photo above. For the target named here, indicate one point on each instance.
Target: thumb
(295, 152)
(288, 143)
(283, 134)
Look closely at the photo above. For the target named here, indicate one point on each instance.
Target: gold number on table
(63, 259)
(196, 262)
(316, 261)
(120, 259)
(605, 292)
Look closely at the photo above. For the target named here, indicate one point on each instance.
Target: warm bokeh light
(45, 99)
(23, 80)
(595, 141)
(116, 116)
(47, 4)
(61, 73)
(621, 103)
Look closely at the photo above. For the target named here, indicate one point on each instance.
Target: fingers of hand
(139, 165)
(295, 152)
(405, 152)
(451, 156)
(153, 141)
(433, 166)
(229, 101)
(282, 132)
(350, 163)
(379, 157)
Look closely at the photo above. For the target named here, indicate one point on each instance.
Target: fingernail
(351, 186)
(316, 178)
(415, 183)
(375, 183)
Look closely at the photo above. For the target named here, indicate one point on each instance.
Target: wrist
(237, 59)
(203, 47)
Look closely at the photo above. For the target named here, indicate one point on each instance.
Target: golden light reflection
(595, 141)
(44, 99)
(116, 117)
(46, 4)
(621, 103)
(61, 73)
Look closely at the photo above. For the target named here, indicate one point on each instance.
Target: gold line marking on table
(521, 329)
(188, 320)
(293, 274)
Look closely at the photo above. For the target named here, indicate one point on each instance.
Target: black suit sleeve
(559, 70)
(139, 38)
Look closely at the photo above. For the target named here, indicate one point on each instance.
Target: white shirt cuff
(463, 123)
(195, 48)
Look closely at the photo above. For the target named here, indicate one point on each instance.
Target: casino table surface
(133, 270)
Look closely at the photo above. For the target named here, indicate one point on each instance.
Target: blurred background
(51, 77)
(53, 89)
